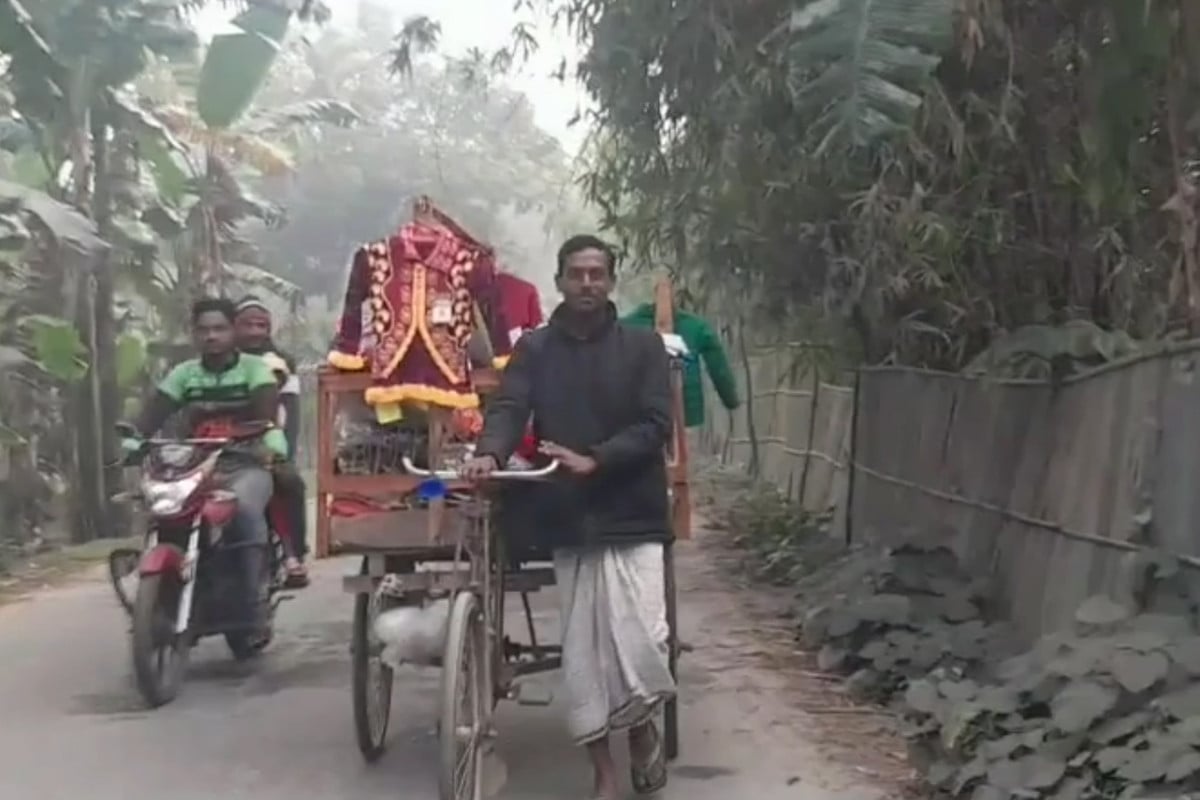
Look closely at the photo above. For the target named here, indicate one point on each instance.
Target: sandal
(297, 576)
(651, 775)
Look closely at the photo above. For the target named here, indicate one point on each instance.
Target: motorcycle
(187, 575)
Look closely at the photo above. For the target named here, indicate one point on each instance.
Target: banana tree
(859, 67)
(229, 138)
(68, 59)
(44, 244)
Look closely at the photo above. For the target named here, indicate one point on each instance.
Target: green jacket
(703, 343)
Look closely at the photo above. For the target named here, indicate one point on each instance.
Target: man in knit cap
(254, 329)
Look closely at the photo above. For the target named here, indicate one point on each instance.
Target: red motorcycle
(187, 585)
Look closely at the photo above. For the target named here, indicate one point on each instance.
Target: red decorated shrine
(520, 310)
(420, 288)
(412, 303)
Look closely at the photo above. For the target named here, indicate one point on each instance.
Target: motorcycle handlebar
(241, 432)
(510, 475)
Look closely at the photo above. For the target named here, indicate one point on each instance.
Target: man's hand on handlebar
(133, 449)
(478, 469)
(575, 463)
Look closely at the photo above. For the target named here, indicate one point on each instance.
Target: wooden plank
(432, 582)
(515, 581)
(325, 414)
(677, 458)
(395, 531)
(336, 381)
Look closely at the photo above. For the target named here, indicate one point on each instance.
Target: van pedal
(532, 694)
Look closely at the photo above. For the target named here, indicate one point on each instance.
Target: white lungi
(615, 636)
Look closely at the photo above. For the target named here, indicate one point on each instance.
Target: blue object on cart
(431, 489)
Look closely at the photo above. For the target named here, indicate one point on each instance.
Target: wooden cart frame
(412, 556)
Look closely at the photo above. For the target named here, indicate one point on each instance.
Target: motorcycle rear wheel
(245, 646)
(159, 654)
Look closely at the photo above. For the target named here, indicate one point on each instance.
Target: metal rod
(537, 651)
(535, 667)
(857, 399)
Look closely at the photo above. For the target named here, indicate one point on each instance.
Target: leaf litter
(1107, 711)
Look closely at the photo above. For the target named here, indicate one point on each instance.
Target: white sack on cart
(414, 635)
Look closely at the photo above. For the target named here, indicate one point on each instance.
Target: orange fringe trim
(500, 362)
(346, 362)
(416, 393)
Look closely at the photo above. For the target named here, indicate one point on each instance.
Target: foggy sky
(486, 24)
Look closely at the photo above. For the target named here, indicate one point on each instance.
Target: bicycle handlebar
(509, 475)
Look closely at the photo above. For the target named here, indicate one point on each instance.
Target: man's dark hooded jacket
(607, 396)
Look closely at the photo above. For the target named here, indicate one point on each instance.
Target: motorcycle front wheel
(159, 654)
(122, 564)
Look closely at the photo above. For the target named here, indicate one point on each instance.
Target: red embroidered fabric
(419, 287)
(520, 306)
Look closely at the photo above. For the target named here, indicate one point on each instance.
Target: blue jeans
(253, 485)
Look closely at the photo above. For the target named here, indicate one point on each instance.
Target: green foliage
(860, 68)
(1044, 351)
(418, 36)
(237, 64)
(160, 223)
(132, 358)
(33, 222)
(928, 175)
(448, 127)
(776, 531)
(887, 621)
(315, 111)
(65, 225)
(58, 348)
(1110, 710)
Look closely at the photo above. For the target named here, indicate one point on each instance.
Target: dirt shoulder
(746, 645)
(54, 566)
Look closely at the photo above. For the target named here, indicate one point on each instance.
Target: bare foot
(605, 785)
(606, 794)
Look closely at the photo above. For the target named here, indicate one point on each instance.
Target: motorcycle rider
(214, 392)
(253, 329)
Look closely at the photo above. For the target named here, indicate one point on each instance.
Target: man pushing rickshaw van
(484, 447)
(599, 393)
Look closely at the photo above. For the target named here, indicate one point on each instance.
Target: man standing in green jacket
(702, 343)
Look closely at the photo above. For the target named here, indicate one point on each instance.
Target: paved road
(71, 725)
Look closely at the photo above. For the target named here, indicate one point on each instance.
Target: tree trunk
(89, 504)
(106, 400)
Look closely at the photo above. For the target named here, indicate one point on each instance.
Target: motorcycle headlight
(165, 498)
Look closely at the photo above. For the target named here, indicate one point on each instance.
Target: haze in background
(486, 24)
(499, 159)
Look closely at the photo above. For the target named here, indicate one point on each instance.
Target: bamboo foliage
(930, 176)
